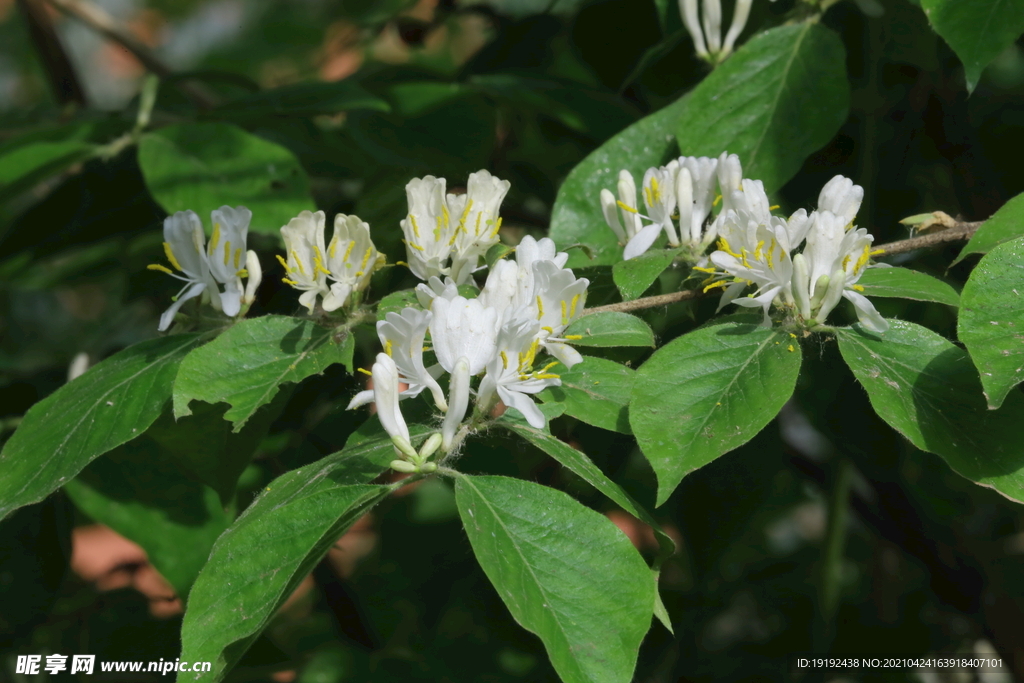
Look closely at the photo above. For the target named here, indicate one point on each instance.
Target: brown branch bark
(98, 19)
(962, 231)
(60, 71)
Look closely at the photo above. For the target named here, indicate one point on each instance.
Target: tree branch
(59, 69)
(96, 18)
(962, 231)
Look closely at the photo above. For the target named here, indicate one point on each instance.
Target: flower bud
(254, 278)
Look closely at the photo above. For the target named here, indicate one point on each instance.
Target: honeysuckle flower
(625, 205)
(185, 248)
(478, 221)
(254, 276)
(707, 33)
(226, 251)
(458, 402)
(463, 328)
(695, 194)
(559, 298)
(351, 260)
(427, 227)
(385, 397)
(402, 335)
(304, 263)
(841, 197)
(766, 265)
(832, 263)
(511, 373)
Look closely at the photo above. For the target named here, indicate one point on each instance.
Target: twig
(962, 231)
(61, 72)
(98, 19)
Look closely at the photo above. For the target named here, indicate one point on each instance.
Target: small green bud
(430, 446)
(403, 466)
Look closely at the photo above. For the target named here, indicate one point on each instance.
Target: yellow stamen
(365, 371)
(545, 376)
(573, 337)
(713, 285)
(360, 273)
(388, 347)
(548, 366)
(298, 263)
(540, 308)
(476, 228)
(227, 252)
(626, 207)
(215, 238)
(465, 215)
(504, 361)
(242, 273)
(497, 227)
(437, 230)
(162, 269)
(790, 348)
(238, 258)
(572, 309)
(705, 270)
(348, 250)
(413, 245)
(332, 248)
(757, 250)
(863, 260)
(564, 318)
(771, 253)
(878, 252)
(718, 200)
(293, 283)
(366, 257)
(723, 244)
(743, 258)
(773, 208)
(415, 228)
(170, 257)
(857, 288)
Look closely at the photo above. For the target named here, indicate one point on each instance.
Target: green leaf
(708, 392)
(576, 217)
(260, 560)
(203, 166)
(977, 31)
(991, 323)
(778, 99)
(610, 328)
(596, 391)
(245, 366)
(584, 467)
(903, 283)
(396, 302)
(1005, 224)
(302, 99)
(927, 389)
(24, 166)
(141, 492)
(565, 572)
(635, 275)
(114, 402)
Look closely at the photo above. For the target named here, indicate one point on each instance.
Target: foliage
(656, 465)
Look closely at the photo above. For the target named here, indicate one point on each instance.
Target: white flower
(351, 260)
(427, 227)
(458, 402)
(253, 275)
(463, 328)
(759, 260)
(511, 373)
(184, 246)
(478, 221)
(708, 43)
(659, 187)
(559, 299)
(385, 396)
(697, 187)
(631, 224)
(402, 336)
(835, 259)
(304, 265)
(842, 198)
(203, 266)
(226, 251)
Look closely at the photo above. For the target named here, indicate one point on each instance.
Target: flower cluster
(686, 189)
(348, 261)
(203, 267)
(521, 312)
(805, 263)
(708, 42)
(447, 234)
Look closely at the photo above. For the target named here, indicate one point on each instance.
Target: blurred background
(525, 88)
